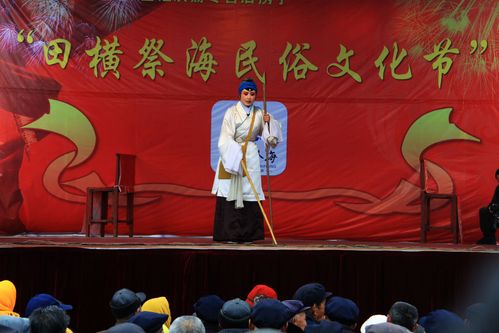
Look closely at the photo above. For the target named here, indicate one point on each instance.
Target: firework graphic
(51, 18)
(8, 37)
(116, 13)
(5, 11)
(424, 23)
(10, 47)
(84, 37)
(415, 25)
(34, 54)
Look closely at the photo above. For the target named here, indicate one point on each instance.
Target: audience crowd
(312, 310)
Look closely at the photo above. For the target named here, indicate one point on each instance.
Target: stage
(206, 243)
(85, 272)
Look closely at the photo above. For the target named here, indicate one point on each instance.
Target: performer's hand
(272, 141)
(266, 117)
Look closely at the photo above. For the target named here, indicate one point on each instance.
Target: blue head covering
(442, 321)
(247, 84)
(342, 310)
(150, 322)
(208, 307)
(42, 301)
(270, 313)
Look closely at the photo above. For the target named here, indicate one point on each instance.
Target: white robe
(235, 128)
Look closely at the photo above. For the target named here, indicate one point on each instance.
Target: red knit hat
(258, 292)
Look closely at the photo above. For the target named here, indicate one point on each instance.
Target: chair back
(125, 172)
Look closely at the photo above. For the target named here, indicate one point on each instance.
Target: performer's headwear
(248, 84)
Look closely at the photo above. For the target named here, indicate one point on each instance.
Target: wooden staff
(267, 149)
(243, 163)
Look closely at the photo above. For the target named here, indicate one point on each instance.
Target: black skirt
(237, 225)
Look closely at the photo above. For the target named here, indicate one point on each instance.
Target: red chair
(426, 197)
(98, 198)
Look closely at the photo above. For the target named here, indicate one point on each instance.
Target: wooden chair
(98, 198)
(426, 197)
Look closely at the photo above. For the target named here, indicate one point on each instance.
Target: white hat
(374, 319)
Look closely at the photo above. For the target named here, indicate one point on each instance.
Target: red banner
(364, 90)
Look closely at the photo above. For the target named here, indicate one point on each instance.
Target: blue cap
(248, 84)
(125, 302)
(311, 293)
(234, 314)
(42, 301)
(150, 322)
(342, 310)
(442, 321)
(208, 307)
(295, 306)
(270, 313)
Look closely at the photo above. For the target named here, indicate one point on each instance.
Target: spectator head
(8, 296)
(403, 314)
(125, 328)
(187, 324)
(51, 319)
(475, 315)
(125, 303)
(270, 313)
(150, 322)
(207, 308)
(44, 300)
(234, 314)
(374, 319)
(342, 310)
(313, 295)
(260, 291)
(297, 310)
(159, 305)
(442, 321)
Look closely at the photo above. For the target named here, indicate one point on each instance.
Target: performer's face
(248, 97)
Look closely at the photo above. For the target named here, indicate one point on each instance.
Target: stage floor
(206, 243)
